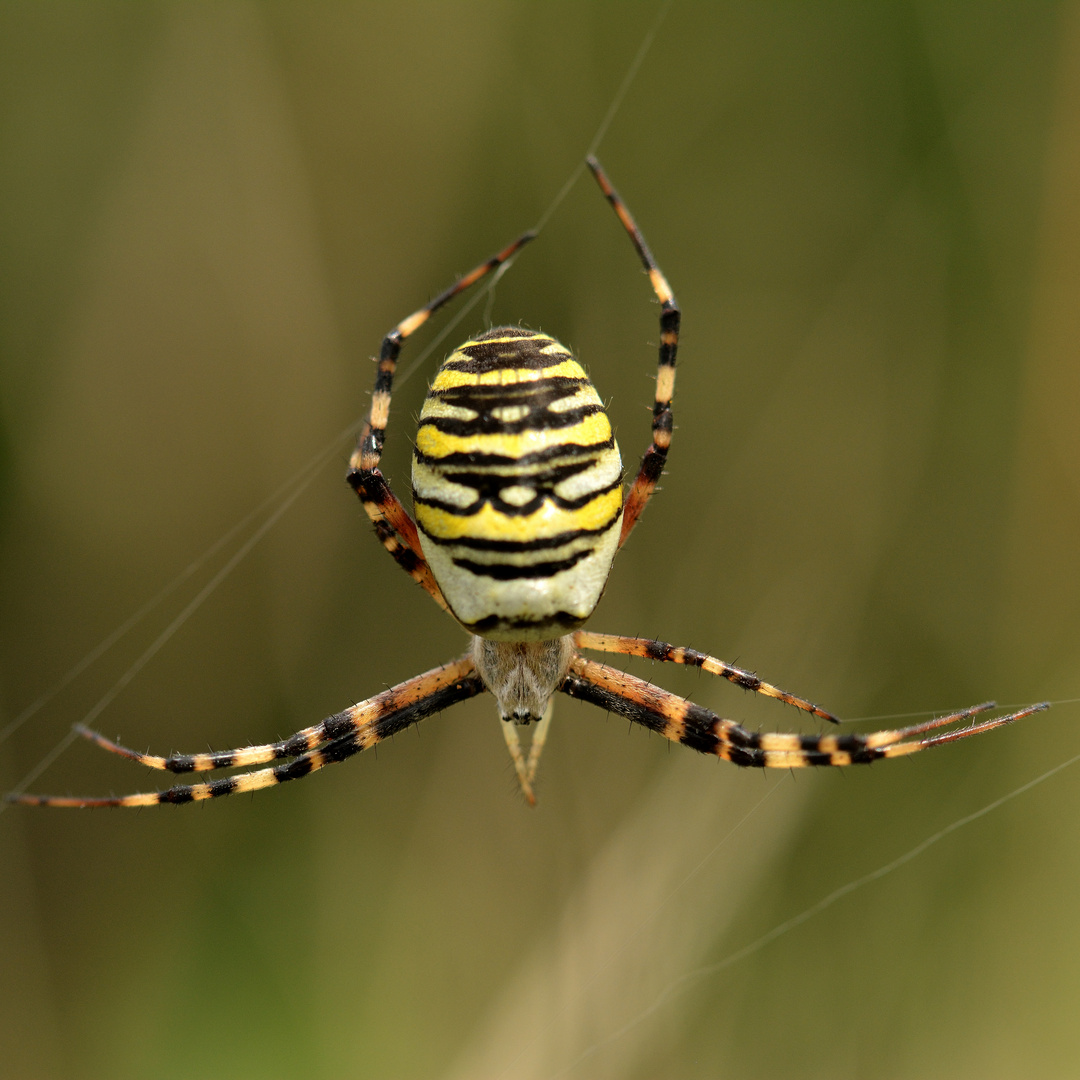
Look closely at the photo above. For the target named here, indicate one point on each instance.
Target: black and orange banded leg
(652, 464)
(393, 525)
(701, 729)
(675, 654)
(338, 737)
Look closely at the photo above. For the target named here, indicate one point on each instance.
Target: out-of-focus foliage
(211, 213)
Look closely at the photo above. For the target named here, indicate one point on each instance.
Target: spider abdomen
(517, 486)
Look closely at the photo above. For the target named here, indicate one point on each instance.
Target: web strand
(684, 981)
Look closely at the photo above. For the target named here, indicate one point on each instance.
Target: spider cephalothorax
(517, 485)
(523, 675)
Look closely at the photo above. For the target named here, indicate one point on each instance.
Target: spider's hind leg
(393, 525)
(652, 464)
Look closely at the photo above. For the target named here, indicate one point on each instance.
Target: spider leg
(393, 525)
(661, 650)
(344, 734)
(652, 464)
(701, 729)
(299, 743)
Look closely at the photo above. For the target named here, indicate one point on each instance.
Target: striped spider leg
(652, 464)
(366, 724)
(675, 654)
(338, 737)
(394, 527)
(703, 730)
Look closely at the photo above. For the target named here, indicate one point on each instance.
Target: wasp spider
(518, 495)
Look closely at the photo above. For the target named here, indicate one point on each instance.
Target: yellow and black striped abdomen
(517, 486)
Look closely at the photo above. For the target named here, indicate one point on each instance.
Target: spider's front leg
(393, 525)
(677, 654)
(703, 730)
(339, 737)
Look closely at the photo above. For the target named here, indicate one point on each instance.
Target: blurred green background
(210, 215)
